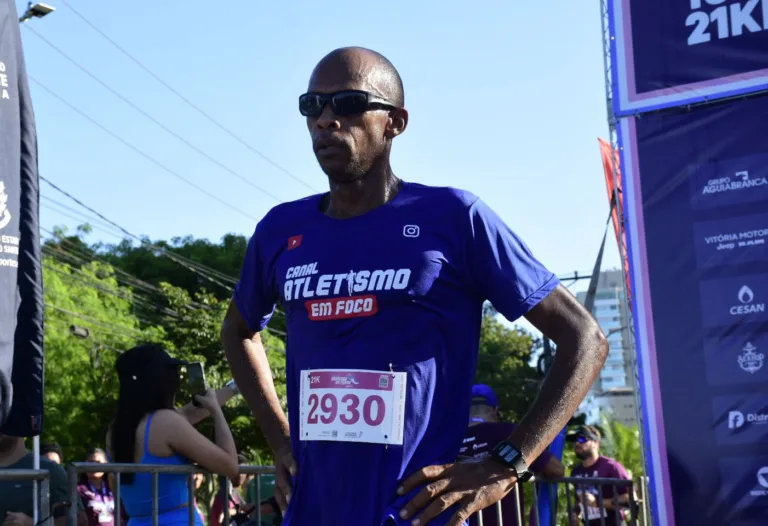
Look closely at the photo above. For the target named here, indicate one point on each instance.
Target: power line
(92, 221)
(88, 281)
(175, 257)
(85, 258)
(127, 332)
(191, 265)
(185, 100)
(153, 119)
(141, 152)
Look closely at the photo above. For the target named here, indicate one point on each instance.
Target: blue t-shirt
(417, 270)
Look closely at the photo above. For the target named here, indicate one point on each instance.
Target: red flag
(611, 160)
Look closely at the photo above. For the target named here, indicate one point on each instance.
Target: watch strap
(511, 457)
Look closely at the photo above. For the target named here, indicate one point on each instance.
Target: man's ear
(398, 122)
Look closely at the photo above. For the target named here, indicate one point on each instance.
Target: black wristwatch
(511, 457)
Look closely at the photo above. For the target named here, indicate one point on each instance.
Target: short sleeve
(619, 472)
(502, 268)
(59, 489)
(255, 293)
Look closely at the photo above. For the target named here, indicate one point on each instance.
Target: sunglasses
(582, 440)
(343, 103)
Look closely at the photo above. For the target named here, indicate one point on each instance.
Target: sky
(506, 100)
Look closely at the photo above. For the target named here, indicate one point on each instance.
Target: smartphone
(196, 379)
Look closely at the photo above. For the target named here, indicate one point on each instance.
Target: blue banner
(696, 212)
(673, 52)
(547, 493)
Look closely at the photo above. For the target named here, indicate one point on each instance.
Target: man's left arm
(581, 352)
(502, 269)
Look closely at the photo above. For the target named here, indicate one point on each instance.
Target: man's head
(52, 451)
(97, 456)
(485, 405)
(352, 132)
(586, 442)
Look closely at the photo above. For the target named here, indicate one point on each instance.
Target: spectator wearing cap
(586, 445)
(148, 429)
(486, 430)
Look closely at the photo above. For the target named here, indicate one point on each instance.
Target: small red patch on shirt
(294, 242)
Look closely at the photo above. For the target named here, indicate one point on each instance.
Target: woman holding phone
(148, 429)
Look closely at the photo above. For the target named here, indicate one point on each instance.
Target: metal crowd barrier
(637, 514)
(43, 499)
(78, 468)
(636, 509)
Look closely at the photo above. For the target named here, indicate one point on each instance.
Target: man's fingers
(424, 497)
(439, 505)
(423, 475)
(466, 509)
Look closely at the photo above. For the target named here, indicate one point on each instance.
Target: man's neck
(590, 461)
(362, 195)
(13, 455)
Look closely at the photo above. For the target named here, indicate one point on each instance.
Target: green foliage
(503, 364)
(79, 373)
(81, 384)
(623, 444)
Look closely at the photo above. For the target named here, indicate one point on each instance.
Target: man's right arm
(250, 369)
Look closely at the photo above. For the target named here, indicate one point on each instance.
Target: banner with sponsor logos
(696, 209)
(668, 53)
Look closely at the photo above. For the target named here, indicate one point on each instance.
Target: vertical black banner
(21, 291)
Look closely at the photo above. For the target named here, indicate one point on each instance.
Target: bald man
(382, 282)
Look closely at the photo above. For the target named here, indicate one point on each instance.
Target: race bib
(350, 405)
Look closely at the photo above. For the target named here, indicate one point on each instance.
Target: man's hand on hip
(472, 485)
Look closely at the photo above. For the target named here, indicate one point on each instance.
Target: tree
(623, 444)
(192, 325)
(80, 381)
(503, 363)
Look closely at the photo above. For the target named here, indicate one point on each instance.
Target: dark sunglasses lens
(581, 440)
(349, 103)
(310, 105)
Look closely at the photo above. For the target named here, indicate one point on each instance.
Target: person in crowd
(96, 494)
(261, 492)
(16, 497)
(382, 282)
(148, 429)
(485, 430)
(52, 451)
(586, 445)
(198, 479)
(231, 499)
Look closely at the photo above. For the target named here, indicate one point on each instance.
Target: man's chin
(339, 172)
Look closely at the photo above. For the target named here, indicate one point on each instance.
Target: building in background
(617, 378)
(619, 404)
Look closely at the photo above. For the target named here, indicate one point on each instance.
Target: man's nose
(328, 120)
